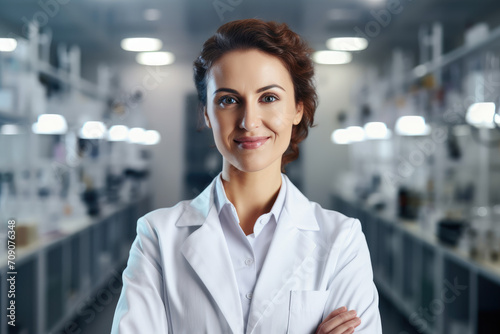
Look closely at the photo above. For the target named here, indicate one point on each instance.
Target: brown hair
(277, 40)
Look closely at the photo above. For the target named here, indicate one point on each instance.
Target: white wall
(324, 161)
(165, 89)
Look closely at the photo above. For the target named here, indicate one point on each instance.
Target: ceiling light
(332, 57)
(347, 43)
(93, 130)
(376, 130)
(340, 137)
(118, 133)
(151, 14)
(412, 126)
(151, 137)
(482, 114)
(155, 58)
(9, 129)
(136, 135)
(50, 124)
(355, 133)
(420, 70)
(375, 2)
(7, 44)
(141, 44)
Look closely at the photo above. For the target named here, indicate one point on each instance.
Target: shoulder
(166, 217)
(331, 217)
(332, 226)
(335, 226)
(170, 221)
(341, 237)
(334, 221)
(167, 212)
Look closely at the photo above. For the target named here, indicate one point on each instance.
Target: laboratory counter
(438, 288)
(55, 278)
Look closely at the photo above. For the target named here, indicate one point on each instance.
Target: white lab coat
(179, 277)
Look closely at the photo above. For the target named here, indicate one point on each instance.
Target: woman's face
(251, 109)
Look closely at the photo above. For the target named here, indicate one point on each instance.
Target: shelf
(82, 85)
(6, 117)
(455, 55)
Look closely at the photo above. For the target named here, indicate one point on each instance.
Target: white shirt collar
(221, 199)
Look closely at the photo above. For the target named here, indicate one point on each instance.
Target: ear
(298, 115)
(207, 120)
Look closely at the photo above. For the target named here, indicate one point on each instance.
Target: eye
(269, 98)
(227, 100)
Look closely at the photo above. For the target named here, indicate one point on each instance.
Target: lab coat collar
(295, 202)
(206, 251)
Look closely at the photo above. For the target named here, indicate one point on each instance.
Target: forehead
(248, 69)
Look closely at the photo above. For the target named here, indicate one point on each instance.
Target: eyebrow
(229, 90)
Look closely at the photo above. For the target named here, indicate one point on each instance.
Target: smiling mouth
(250, 143)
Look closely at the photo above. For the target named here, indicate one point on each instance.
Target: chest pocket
(306, 310)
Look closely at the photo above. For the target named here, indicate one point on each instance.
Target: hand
(339, 321)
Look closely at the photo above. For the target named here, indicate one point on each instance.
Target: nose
(251, 118)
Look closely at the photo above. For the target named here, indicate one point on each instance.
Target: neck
(252, 193)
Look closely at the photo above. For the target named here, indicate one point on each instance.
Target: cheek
(281, 122)
(222, 126)
(278, 124)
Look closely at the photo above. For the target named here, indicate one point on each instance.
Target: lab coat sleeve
(141, 307)
(353, 285)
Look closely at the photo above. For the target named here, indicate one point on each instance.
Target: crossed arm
(353, 287)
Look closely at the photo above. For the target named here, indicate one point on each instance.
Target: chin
(253, 164)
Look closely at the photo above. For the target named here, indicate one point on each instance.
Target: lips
(251, 142)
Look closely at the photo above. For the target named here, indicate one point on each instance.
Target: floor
(97, 319)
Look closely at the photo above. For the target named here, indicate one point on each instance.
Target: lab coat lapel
(206, 251)
(289, 249)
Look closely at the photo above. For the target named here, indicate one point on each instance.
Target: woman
(250, 254)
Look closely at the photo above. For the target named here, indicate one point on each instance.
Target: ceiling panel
(99, 25)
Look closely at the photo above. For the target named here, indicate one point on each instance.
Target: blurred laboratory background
(99, 124)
